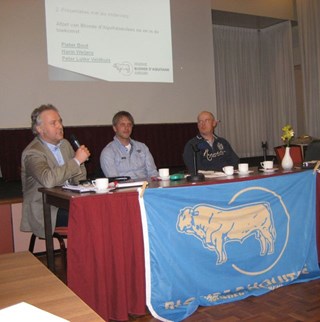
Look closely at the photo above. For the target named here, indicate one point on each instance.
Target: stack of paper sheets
(90, 188)
(212, 174)
(27, 313)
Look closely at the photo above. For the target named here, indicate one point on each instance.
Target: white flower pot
(287, 162)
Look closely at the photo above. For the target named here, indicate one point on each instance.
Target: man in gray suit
(47, 161)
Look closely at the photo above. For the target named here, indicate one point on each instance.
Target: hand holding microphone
(82, 152)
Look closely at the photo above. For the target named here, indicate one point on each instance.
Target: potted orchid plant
(287, 134)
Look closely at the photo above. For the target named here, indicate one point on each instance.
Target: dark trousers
(62, 218)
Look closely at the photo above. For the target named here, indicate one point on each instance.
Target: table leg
(48, 233)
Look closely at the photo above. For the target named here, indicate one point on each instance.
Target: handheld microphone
(74, 141)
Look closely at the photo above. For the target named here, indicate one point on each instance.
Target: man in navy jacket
(212, 152)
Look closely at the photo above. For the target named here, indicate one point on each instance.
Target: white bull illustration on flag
(215, 226)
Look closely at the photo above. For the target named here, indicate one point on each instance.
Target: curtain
(309, 37)
(254, 77)
(238, 88)
(278, 80)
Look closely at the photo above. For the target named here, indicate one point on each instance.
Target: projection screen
(179, 84)
(111, 40)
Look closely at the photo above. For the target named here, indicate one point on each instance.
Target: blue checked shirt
(137, 163)
(55, 149)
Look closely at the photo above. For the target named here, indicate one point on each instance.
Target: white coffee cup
(101, 183)
(164, 173)
(267, 164)
(243, 167)
(228, 170)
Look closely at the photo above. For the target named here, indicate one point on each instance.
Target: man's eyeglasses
(206, 121)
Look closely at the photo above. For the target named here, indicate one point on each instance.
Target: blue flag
(212, 244)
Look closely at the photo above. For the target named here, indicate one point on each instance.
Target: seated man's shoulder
(195, 139)
(138, 144)
(218, 138)
(109, 147)
(34, 145)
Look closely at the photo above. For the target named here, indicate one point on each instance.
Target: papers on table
(212, 174)
(90, 188)
(79, 188)
(27, 313)
(129, 184)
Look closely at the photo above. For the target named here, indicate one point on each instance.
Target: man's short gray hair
(35, 116)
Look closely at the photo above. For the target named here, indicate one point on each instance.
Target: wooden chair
(295, 152)
(60, 234)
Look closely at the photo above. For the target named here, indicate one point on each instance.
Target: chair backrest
(313, 151)
(295, 152)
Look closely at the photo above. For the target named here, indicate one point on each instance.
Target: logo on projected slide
(124, 68)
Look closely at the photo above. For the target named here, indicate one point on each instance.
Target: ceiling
(242, 20)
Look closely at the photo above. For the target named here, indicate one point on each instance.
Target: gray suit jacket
(39, 168)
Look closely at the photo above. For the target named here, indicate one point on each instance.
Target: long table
(23, 278)
(105, 245)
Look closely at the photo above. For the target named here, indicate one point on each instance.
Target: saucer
(269, 170)
(243, 173)
(164, 178)
(102, 191)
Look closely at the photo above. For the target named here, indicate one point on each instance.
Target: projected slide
(113, 40)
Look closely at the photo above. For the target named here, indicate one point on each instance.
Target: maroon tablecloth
(105, 254)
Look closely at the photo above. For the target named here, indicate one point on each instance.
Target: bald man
(213, 152)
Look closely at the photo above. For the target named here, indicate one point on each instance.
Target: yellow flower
(287, 134)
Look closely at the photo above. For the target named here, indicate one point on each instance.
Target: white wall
(24, 82)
